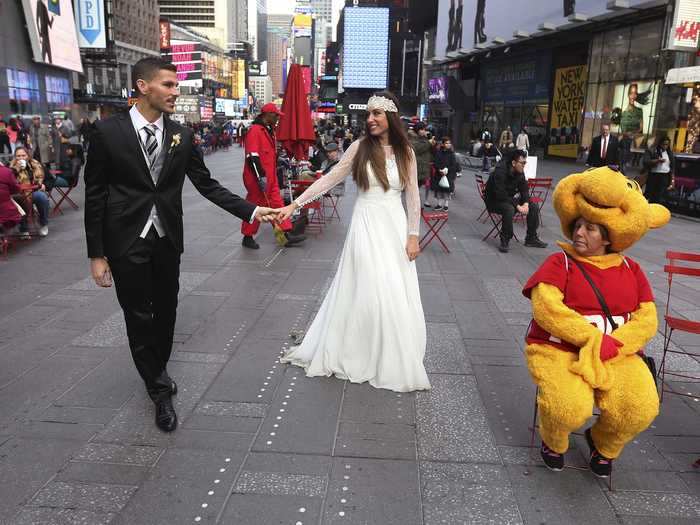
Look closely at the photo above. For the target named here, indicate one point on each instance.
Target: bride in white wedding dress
(370, 327)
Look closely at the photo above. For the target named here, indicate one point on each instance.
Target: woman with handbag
(443, 177)
(593, 313)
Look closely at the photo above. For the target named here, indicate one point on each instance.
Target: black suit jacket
(120, 192)
(612, 155)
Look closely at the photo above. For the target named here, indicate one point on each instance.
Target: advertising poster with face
(633, 109)
(52, 33)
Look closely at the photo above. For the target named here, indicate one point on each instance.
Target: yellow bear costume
(574, 356)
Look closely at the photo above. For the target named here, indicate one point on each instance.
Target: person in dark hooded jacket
(445, 164)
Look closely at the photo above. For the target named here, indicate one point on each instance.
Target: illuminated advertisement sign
(301, 25)
(437, 90)
(164, 38)
(187, 58)
(686, 26)
(366, 47)
(52, 33)
(206, 108)
(90, 20)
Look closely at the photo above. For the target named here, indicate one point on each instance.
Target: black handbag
(650, 362)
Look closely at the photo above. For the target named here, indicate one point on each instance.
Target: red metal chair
(330, 202)
(677, 323)
(481, 189)
(64, 193)
(316, 219)
(496, 219)
(435, 220)
(539, 191)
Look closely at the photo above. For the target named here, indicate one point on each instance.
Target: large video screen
(51, 28)
(366, 47)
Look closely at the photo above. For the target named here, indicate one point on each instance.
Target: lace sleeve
(413, 198)
(331, 179)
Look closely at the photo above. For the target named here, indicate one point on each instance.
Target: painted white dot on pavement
(205, 505)
(259, 395)
(290, 390)
(273, 433)
(198, 519)
(346, 477)
(341, 514)
(269, 442)
(276, 425)
(222, 470)
(299, 523)
(287, 396)
(281, 409)
(262, 389)
(347, 467)
(278, 418)
(302, 509)
(345, 489)
(266, 383)
(284, 403)
(295, 377)
(343, 500)
(211, 493)
(217, 481)
(292, 384)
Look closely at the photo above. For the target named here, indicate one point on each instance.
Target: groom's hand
(99, 267)
(266, 214)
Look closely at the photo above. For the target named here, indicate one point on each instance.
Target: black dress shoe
(535, 242)
(249, 242)
(503, 248)
(294, 239)
(166, 418)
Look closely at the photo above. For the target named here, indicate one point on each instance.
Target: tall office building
(279, 32)
(257, 28)
(323, 11)
(223, 21)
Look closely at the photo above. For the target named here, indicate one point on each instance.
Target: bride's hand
(285, 213)
(412, 248)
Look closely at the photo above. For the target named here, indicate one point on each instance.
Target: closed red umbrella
(295, 129)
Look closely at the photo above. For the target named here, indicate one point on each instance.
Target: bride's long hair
(370, 151)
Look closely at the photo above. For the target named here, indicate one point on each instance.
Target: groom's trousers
(146, 278)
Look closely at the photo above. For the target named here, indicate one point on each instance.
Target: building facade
(222, 21)
(261, 89)
(132, 34)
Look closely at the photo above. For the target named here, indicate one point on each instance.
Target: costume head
(606, 197)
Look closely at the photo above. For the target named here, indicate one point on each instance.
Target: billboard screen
(366, 47)
(52, 33)
(464, 24)
(437, 90)
(90, 21)
(187, 57)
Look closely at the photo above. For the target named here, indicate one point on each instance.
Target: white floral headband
(377, 102)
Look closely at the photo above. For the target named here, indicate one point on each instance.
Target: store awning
(683, 75)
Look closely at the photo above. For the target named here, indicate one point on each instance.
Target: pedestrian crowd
(36, 156)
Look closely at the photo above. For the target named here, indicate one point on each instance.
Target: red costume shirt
(624, 287)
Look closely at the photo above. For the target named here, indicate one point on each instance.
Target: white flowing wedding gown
(370, 326)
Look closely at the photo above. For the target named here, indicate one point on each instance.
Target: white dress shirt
(604, 146)
(139, 122)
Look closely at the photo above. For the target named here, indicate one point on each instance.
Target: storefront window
(616, 46)
(645, 50)
(23, 91)
(596, 56)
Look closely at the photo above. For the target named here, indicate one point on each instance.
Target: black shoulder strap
(598, 294)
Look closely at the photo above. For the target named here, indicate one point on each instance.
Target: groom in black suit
(135, 171)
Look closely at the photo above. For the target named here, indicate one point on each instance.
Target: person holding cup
(30, 171)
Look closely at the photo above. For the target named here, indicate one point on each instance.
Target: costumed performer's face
(161, 91)
(377, 122)
(589, 239)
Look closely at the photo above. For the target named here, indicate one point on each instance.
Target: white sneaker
(43, 231)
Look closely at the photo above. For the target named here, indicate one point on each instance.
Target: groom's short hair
(147, 68)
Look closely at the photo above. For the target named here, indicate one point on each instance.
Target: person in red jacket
(9, 214)
(260, 174)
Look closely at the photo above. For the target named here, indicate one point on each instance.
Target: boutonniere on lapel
(175, 142)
